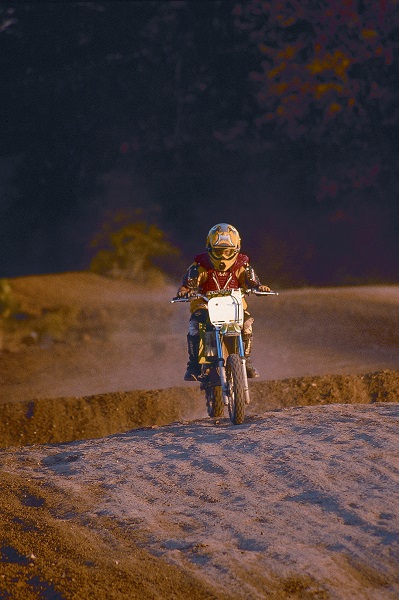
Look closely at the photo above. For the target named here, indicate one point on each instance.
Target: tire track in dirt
(290, 500)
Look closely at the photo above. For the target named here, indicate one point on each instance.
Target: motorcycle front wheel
(236, 385)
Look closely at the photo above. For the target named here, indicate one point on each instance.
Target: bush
(8, 304)
(131, 252)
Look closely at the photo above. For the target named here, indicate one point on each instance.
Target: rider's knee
(193, 327)
(247, 327)
(199, 316)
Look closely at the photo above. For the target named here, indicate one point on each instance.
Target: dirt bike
(221, 356)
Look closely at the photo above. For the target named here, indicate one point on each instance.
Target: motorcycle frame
(229, 328)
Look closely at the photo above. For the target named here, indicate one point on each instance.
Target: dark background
(279, 117)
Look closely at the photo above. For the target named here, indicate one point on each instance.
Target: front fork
(222, 368)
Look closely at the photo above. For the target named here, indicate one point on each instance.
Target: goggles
(224, 252)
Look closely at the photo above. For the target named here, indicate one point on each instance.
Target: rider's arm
(252, 281)
(192, 280)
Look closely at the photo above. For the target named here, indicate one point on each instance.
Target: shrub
(131, 252)
(8, 304)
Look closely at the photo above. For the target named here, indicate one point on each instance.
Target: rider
(220, 267)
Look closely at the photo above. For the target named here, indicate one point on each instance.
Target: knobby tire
(236, 383)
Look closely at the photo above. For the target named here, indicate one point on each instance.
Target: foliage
(327, 87)
(131, 252)
(8, 304)
(244, 109)
(326, 66)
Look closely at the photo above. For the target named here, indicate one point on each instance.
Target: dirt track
(54, 420)
(94, 370)
(120, 338)
(297, 503)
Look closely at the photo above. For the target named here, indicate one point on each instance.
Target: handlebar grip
(259, 293)
(188, 298)
(180, 299)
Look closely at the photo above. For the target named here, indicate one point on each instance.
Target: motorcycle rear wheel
(236, 385)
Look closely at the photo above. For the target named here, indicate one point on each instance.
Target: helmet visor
(223, 252)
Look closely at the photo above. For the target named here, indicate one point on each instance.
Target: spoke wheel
(236, 385)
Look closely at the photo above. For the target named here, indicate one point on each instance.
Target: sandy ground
(298, 502)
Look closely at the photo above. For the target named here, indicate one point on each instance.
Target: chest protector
(220, 280)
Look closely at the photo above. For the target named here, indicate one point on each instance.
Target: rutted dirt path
(296, 503)
(52, 420)
(301, 501)
(94, 335)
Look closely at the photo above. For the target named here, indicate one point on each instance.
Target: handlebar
(189, 298)
(258, 293)
(245, 292)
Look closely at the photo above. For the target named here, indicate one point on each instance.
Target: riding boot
(252, 372)
(193, 368)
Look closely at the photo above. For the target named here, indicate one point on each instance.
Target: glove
(183, 292)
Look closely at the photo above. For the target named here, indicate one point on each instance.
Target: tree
(328, 89)
(131, 251)
(327, 65)
(95, 87)
(257, 108)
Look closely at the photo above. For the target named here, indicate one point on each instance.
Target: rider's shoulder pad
(242, 261)
(203, 260)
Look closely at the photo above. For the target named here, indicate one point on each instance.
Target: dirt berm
(66, 419)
